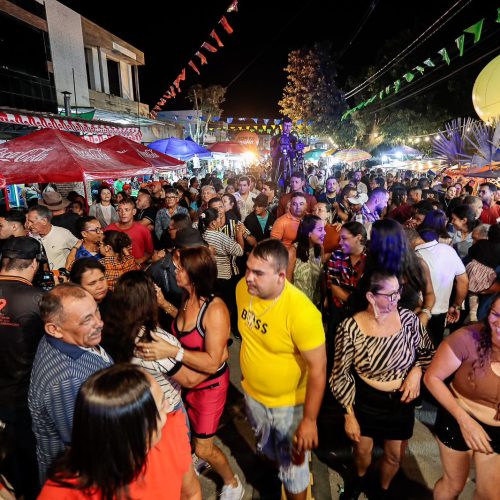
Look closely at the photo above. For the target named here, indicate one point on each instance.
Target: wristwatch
(458, 308)
(180, 355)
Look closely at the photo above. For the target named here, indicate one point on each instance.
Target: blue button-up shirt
(58, 372)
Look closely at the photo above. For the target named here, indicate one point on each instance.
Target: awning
(69, 125)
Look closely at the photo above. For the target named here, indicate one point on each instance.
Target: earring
(375, 311)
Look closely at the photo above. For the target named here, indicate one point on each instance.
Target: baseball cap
(360, 199)
(261, 200)
(21, 247)
(187, 238)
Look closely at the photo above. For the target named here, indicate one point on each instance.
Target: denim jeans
(274, 429)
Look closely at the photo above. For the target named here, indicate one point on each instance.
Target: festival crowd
(368, 291)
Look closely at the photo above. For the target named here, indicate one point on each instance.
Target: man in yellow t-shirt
(283, 361)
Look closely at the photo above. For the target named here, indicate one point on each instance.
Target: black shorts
(382, 415)
(448, 432)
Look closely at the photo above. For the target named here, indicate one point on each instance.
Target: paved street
(421, 467)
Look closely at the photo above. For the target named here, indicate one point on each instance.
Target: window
(114, 77)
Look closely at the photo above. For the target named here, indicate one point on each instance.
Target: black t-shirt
(68, 221)
(21, 328)
(146, 213)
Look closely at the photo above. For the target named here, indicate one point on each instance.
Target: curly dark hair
(484, 343)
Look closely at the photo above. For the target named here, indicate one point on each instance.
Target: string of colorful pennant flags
(475, 30)
(175, 87)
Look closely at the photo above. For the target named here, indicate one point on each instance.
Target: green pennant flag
(475, 30)
(460, 41)
(381, 95)
(429, 63)
(445, 55)
(409, 76)
(498, 18)
(388, 90)
(397, 84)
(372, 98)
(420, 69)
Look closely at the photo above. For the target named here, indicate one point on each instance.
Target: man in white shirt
(244, 197)
(56, 241)
(446, 268)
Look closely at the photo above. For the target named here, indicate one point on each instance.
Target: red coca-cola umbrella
(54, 156)
(159, 161)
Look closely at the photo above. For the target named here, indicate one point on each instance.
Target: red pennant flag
(166, 95)
(176, 83)
(193, 65)
(203, 59)
(162, 102)
(182, 76)
(208, 47)
(157, 108)
(233, 7)
(214, 35)
(152, 114)
(172, 91)
(225, 25)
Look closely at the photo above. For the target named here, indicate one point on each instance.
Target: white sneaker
(233, 492)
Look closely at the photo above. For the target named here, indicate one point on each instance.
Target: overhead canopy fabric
(182, 149)
(53, 156)
(158, 161)
(229, 147)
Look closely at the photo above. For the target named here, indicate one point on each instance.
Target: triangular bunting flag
(214, 35)
(388, 90)
(420, 69)
(216, 118)
(460, 41)
(266, 121)
(429, 63)
(207, 46)
(172, 91)
(409, 76)
(229, 119)
(475, 30)
(300, 122)
(226, 25)
(193, 65)
(397, 84)
(203, 59)
(255, 120)
(498, 18)
(443, 52)
(182, 75)
(309, 123)
(277, 121)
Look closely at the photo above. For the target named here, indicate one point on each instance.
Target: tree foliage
(207, 104)
(311, 95)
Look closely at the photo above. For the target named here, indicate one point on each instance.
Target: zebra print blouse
(379, 358)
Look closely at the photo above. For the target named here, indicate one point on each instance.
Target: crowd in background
(376, 289)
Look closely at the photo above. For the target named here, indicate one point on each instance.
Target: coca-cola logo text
(32, 156)
(91, 154)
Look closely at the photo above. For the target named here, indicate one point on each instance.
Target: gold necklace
(252, 317)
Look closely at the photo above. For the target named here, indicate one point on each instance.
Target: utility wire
(408, 50)
(283, 28)
(367, 15)
(435, 82)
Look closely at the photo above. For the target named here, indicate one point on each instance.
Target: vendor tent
(54, 156)
(182, 149)
(158, 161)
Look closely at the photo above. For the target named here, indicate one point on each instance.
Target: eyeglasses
(393, 297)
(96, 230)
(482, 191)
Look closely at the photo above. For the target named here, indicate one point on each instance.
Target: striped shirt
(163, 369)
(382, 359)
(224, 248)
(58, 372)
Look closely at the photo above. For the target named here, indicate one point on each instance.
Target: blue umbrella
(183, 149)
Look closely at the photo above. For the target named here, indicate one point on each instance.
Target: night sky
(169, 33)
